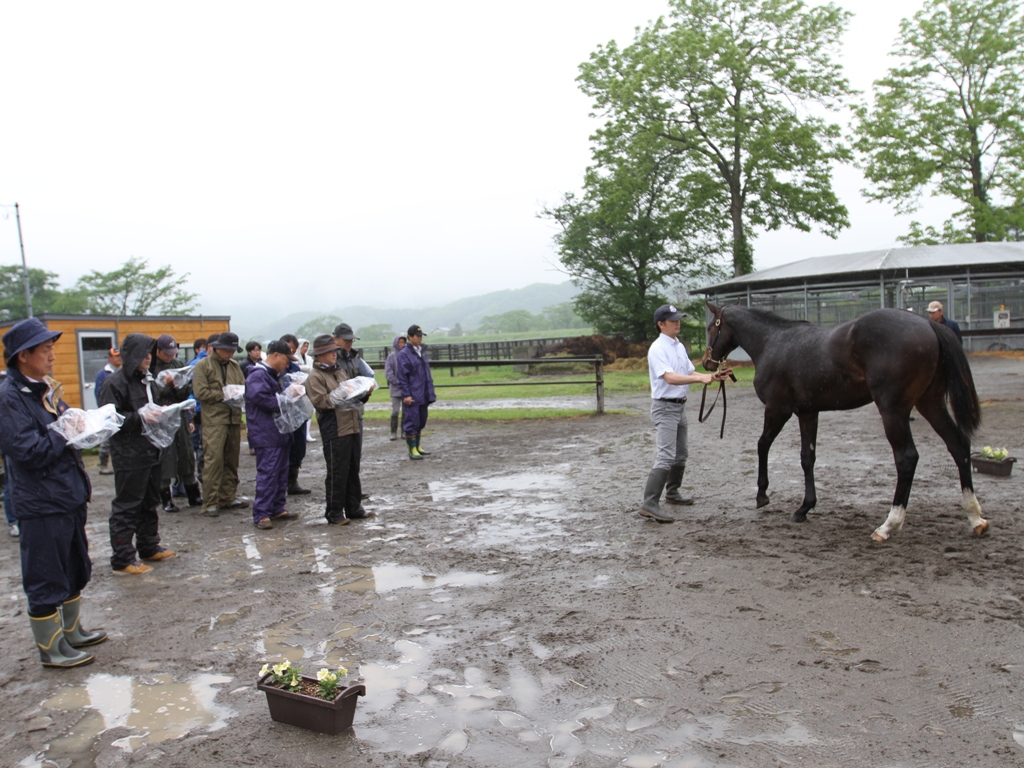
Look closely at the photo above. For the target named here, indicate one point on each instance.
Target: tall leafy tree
(741, 89)
(947, 119)
(46, 294)
(631, 232)
(135, 290)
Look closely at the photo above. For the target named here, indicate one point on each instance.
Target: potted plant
(321, 704)
(993, 461)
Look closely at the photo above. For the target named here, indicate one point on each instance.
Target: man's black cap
(415, 330)
(666, 313)
(344, 331)
(227, 341)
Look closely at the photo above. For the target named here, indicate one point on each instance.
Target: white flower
(264, 670)
(325, 675)
(342, 671)
(280, 669)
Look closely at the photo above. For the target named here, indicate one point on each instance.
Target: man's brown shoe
(264, 523)
(161, 554)
(135, 569)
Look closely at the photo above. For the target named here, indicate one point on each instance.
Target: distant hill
(466, 312)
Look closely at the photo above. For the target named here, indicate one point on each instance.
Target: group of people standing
(49, 488)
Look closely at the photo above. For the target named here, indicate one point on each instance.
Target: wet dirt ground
(507, 607)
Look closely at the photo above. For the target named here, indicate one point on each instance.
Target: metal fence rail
(597, 381)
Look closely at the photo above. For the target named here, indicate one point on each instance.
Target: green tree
(456, 331)
(737, 87)
(131, 290)
(632, 232)
(514, 321)
(562, 316)
(948, 119)
(318, 326)
(46, 294)
(377, 332)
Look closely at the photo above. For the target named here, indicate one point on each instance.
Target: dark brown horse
(896, 359)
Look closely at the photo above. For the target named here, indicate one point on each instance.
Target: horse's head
(721, 339)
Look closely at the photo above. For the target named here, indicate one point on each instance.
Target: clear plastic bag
(296, 408)
(160, 423)
(87, 429)
(175, 377)
(348, 394)
(234, 395)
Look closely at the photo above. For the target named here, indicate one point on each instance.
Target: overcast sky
(311, 155)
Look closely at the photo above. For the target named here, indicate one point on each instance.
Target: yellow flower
(325, 675)
(264, 670)
(342, 671)
(280, 669)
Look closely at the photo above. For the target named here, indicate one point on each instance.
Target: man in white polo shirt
(671, 374)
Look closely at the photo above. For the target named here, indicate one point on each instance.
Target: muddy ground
(507, 607)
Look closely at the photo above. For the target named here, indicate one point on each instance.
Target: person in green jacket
(222, 425)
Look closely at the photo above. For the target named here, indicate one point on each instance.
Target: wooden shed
(82, 350)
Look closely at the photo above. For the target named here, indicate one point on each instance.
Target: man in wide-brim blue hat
(50, 490)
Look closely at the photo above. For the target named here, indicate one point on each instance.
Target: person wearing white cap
(935, 313)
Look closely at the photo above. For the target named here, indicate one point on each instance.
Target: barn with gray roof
(981, 286)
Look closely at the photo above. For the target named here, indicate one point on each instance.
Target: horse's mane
(772, 318)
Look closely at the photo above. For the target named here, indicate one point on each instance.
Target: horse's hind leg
(774, 421)
(959, 447)
(808, 436)
(897, 430)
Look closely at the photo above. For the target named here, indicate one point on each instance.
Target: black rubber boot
(54, 650)
(672, 492)
(652, 494)
(195, 496)
(165, 497)
(394, 426)
(419, 450)
(413, 453)
(77, 635)
(294, 489)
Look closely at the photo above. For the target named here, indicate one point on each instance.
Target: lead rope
(702, 417)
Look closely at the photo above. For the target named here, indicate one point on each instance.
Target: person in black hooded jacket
(133, 513)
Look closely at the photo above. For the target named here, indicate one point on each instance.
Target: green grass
(615, 383)
(496, 414)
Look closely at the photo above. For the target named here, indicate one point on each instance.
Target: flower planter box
(997, 467)
(312, 712)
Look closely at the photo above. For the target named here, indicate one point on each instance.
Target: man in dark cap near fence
(51, 490)
(136, 460)
(179, 460)
(416, 386)
(222, 425)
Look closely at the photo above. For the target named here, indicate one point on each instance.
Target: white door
(93, 347)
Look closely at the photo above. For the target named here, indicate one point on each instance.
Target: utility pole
(24, 266)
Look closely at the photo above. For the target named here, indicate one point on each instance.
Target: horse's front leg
(774, 420)
(808, 438)
(897, 430)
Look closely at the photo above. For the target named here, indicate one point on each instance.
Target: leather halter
(701, 416)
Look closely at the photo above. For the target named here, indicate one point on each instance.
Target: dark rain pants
(414, 419)
(133, 514)
(342, 486)
(271, 481)
(55, 563)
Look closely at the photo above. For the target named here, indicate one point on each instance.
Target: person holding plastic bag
(50, 489)
(216, 380)
(339, 433)
(179, 461)
(262, 387)
(134, 523)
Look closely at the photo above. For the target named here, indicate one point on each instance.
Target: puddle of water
(578, 402)
(517, 484)
(154, 710)
(389, 577)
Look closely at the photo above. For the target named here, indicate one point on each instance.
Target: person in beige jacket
(222, 425)
(339, 432)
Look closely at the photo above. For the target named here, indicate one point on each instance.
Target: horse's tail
(963, 397)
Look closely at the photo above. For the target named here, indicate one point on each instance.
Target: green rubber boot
(54, 650)
(419, 450)
(413, 453)
(76, 635)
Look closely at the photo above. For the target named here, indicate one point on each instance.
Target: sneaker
(160, 554)
(310, 439)
(339, 521)
(264, 524)
(286, 515)
(12, 530)
(240, 503)
(210, 512)
(135, 569)
(106, 471)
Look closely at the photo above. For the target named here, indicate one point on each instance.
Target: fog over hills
(467, 312)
